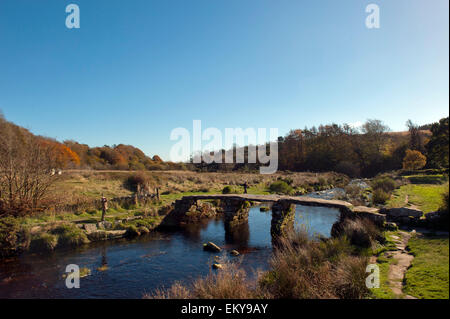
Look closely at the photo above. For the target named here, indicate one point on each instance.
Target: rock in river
(210, 246)
(234, 252)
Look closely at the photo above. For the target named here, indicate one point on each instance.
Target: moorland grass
(428, 276)
(428, 198)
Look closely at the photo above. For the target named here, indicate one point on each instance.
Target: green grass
(428, 276)
(428, 198)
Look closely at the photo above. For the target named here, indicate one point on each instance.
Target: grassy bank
(427, 198)
(428, 276)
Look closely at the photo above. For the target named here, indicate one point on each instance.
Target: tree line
(358, 152)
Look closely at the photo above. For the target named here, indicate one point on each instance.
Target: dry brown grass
(78, 184)
(230, 282)
(361, 232)
(305, 269)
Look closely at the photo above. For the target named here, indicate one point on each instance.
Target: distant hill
(71, 154)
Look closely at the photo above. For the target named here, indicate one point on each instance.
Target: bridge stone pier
(283, 214)
(235, 209)
(235, 212)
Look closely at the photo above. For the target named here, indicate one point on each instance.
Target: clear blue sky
(137, 69)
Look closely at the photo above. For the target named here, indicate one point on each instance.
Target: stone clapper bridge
(235, 208)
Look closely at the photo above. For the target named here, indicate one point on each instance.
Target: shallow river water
(136, 267)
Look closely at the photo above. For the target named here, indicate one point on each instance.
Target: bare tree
(25, 170)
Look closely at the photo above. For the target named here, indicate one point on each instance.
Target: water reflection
(238, 236)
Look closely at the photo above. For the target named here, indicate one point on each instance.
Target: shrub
(137, 180)
(14, 238)
(379, 196)
(70, 235)
(414, 160)
(361, 232)
(386, 184)
(227, 190)
(280, 187)
(305, 269)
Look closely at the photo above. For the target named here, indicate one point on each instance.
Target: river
(136, 267)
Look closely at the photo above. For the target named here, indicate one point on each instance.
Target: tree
(415, 138)
(437, 147)
(414, 160)
(25, 170)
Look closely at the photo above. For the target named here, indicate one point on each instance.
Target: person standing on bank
(245, 187)
(104, 207)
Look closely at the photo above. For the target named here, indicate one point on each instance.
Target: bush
(227, 190)
(280, 187)
(361, 232)
(305, 269)
(70, 235)
(137, 180)
(379, 196)
(14, 238)
(386, 184)
(414, 160)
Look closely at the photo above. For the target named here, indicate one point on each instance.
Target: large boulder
(90, 228)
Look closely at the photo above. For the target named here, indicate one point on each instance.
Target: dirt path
(402, 261)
